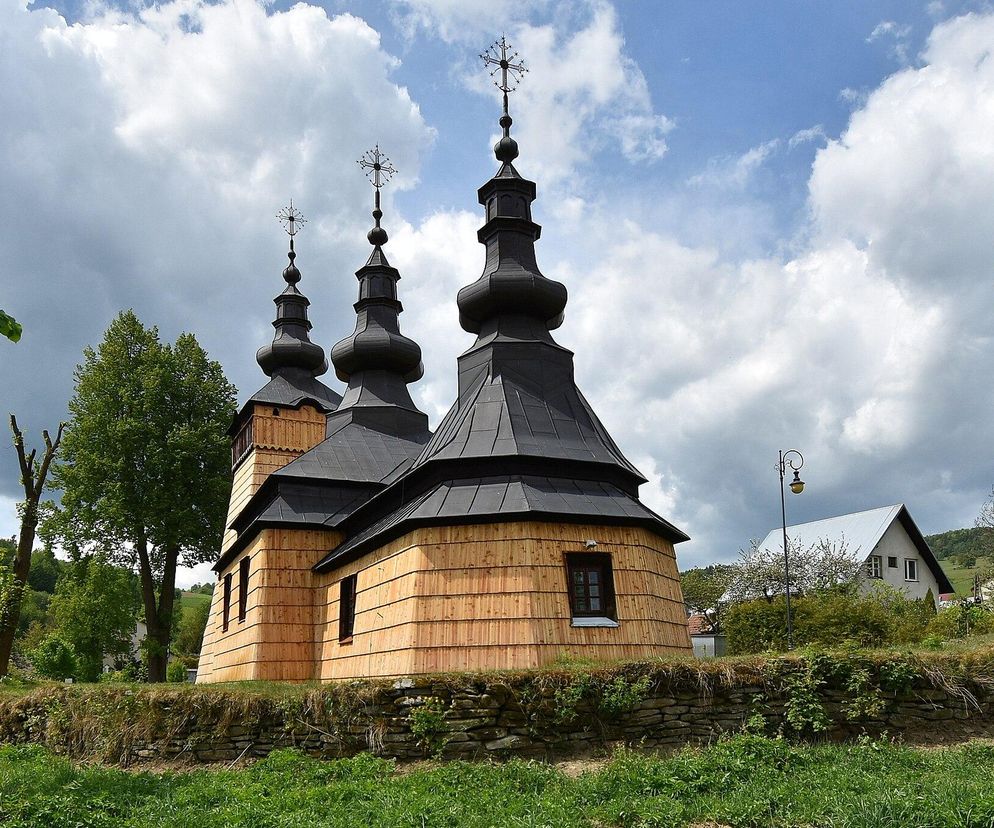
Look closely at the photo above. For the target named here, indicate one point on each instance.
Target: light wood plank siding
(276, 641)
(494, 597)
(277, 439)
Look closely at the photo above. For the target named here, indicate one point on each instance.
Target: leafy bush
(962, 620)
(55, 658)
(176, 671)
(427, 723)
(833, 618)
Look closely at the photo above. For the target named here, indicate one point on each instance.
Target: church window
(346, 608)
(243, 582)
(226, 607)
(591, 586)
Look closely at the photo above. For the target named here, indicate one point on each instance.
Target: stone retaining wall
(546, 716)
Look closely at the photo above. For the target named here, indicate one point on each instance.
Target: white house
(887, 540)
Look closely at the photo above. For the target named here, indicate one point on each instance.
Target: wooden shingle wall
(494, 597)
(276, 641)
(276, 440)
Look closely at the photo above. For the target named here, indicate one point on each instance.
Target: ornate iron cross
(292, 219)
(377, 166)
(510, 66)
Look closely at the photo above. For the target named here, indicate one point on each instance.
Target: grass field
(743, 781)
(191, 599)
(961, 577)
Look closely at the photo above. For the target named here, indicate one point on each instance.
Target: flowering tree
(823, 566)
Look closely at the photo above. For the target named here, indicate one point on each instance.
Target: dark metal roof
(356, 453)
(293, 390)
(502, 499)
(507, 412)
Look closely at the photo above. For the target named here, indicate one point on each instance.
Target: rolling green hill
(964, 554)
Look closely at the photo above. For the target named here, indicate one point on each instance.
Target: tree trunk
(33, 477)
(158, 613)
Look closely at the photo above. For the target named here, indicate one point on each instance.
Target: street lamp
(796, 486)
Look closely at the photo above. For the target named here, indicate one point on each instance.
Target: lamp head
(797, 485)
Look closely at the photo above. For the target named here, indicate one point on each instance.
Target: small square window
(874, 566)
(591, 585)
(892, 561)
(910, 569)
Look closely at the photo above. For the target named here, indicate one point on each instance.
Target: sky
(775, 219)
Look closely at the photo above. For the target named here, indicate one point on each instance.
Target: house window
(226, 607)
(243, 579)
(346, 608)
(874, 567)
(242, 443)
(591, 587)
(892, 561)
(910, 569)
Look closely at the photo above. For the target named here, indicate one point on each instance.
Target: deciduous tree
(146, 462)
(34, 473)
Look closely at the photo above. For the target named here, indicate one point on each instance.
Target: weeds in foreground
(745, 780)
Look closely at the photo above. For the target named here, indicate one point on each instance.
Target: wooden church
(360, 544)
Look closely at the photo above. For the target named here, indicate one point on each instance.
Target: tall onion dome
(377, 360)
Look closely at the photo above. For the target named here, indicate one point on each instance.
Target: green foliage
(960, 543)
(427, 723)
(96, 608)
(145, 457)
(11, 593)
(145, 461)
(621, 694)
(883, 617)
(10, 327)
(190, 634)
(746, 780)
(704, 587)
(176, 671)
(961, 620)
(55, 658)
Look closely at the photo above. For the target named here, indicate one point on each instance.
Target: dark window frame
(243, 580)
(591, 562)
(346, 607)
(226, 606)
(892, 561)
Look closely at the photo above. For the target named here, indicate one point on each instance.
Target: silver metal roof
(861, 531)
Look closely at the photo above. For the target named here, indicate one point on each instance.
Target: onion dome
(377, 343)
(511, 284)
(291, 349)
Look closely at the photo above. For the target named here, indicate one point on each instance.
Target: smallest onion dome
(291, 349)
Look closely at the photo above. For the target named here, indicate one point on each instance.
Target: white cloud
(895, 32)
(735, 172)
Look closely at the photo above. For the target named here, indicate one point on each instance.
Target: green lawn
(189, 600)
(744, 781)
(962, 577)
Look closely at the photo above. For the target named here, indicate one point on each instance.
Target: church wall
(276, 440)
(494, 596)
(276, 640)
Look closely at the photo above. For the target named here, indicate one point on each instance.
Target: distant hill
(964, 554)
(962, 544)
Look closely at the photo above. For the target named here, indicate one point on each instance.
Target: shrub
(427, 723)
(831, 618)
(176, 671)
(54, 658)
(961, 620)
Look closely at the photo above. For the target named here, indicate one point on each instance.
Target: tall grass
(741, 781)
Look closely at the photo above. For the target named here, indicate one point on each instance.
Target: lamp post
(787, 459)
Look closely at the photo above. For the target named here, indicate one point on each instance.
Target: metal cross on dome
(510, 66)
(292, 219)
(378, 168)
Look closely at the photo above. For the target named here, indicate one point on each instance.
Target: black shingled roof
(512, 497)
